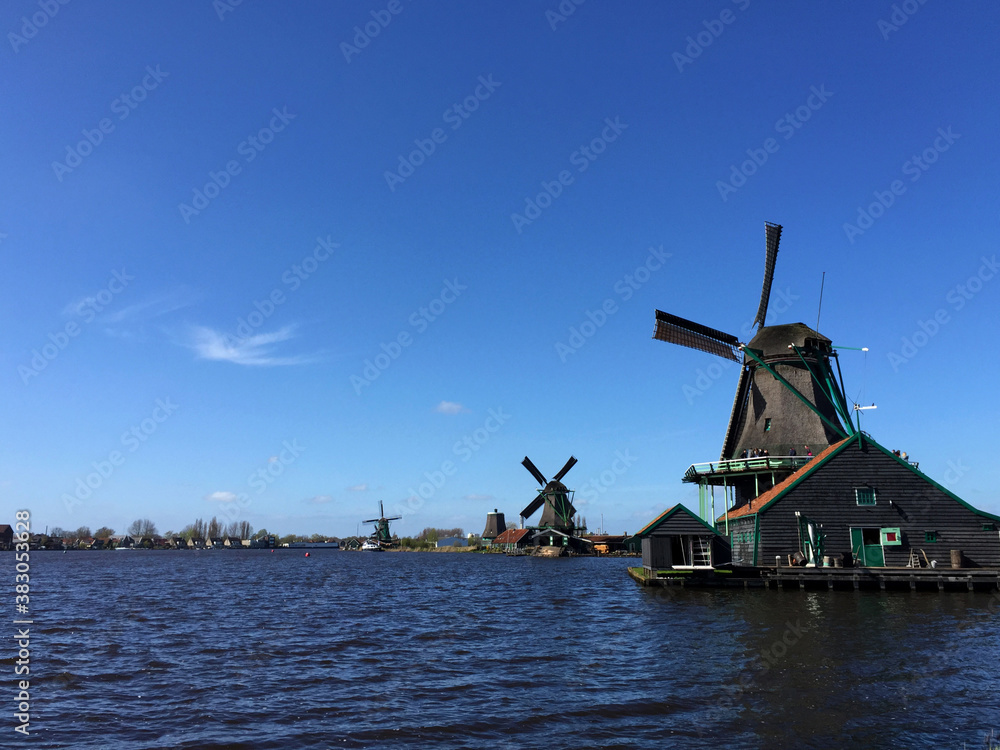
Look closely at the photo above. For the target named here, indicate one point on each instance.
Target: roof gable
(667, 515)
(927, 479)
(766, 499)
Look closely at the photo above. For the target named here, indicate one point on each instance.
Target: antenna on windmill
(819, 312)
(857, 410)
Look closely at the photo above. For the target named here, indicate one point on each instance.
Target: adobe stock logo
(914, 167)
(363, 36)
(31, 26)
(582, 158)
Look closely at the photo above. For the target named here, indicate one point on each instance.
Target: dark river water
(258, 649)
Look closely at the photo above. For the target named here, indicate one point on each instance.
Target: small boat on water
(371, 545)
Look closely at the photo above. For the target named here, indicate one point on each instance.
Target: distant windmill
(559, 511)
(381, 534)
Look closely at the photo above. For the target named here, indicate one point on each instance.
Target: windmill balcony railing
(741, 465)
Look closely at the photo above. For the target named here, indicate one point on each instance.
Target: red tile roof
(511, 536)
(763, 499)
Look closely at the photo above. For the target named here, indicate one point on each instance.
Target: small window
(930, 536)
(989, 527)
(865, 495)
(767, 424)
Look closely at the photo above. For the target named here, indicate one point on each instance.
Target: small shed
(677, 538)
(607, 544)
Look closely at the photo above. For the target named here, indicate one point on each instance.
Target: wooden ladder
(914, 561)
(702, 552)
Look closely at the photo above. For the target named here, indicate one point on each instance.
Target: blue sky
(265, 265)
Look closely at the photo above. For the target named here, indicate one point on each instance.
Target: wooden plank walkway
(829, 579)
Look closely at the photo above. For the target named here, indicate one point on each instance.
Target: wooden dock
(826, 579)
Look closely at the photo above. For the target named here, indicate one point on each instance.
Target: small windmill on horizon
(381, 534)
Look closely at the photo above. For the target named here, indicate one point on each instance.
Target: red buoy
(307, 554)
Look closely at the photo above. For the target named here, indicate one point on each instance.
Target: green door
(866, 547)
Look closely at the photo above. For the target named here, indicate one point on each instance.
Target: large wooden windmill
(787, 396)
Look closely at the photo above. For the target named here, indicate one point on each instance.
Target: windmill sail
(539, 477)
(772, 234)
(676, 330)
(562, 472)
(533, 506)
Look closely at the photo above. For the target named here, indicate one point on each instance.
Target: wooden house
(677, 538)
(858, 502)
(6, 536)
(512, 539)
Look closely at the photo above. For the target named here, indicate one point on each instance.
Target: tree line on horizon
(216, 529)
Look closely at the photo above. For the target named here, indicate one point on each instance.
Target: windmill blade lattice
(772, 236)
(677, 330)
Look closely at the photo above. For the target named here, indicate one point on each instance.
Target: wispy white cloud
(449, 407)
(252, 350)
(154, 306)
(320, 499)
(221, 497)
(358, 488)
(129, 322)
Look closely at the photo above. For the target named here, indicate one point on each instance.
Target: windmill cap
(774, 340)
